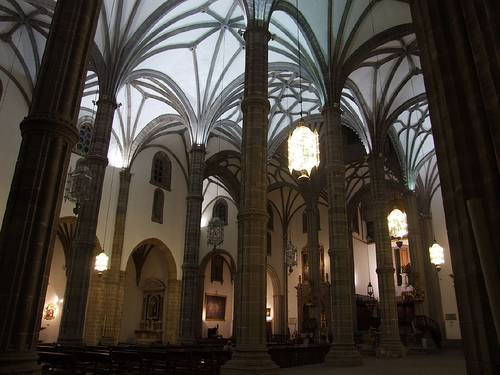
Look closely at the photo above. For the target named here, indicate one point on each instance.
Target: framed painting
(215, 307)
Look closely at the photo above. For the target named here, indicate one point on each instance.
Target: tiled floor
(449, 362)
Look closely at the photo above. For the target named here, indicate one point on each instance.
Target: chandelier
(398, 228)
(303, 150)
(101, 262)
(436, 253)
(215, 232)
(290, 256)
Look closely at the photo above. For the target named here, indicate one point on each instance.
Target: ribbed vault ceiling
(178, 67)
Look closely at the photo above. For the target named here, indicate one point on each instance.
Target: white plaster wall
(55, 294)
(230, 243)
(139, 226)
(446, 283)
(222, 289)
(155, 266)
(365, 266)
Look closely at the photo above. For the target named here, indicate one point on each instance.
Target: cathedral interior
(249, 186)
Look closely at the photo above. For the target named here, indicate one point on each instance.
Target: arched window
(220, 210)
(270, 213)
(217, 269)
(85, 130)
(158, 200)
(161, 170)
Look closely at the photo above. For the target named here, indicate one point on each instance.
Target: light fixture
(101, 262)
(398, 227)
(78, 185)
(291, 256)
(303, 150)
(369, 289)
(436, 253)
(215, 232)
(303, 143)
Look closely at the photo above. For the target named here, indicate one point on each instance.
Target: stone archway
(214, 288)
(275, 301)
(150, 260)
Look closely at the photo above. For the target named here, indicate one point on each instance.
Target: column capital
(198, 147)
(255, 30)
(107, 100)
(49, 124)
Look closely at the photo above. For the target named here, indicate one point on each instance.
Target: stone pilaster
(278, 307)
(432, 275)
(190, 328)
(312, 214)
(114, 279)
(172, 313)
(417, 255)
(250, 355)
(32, 211)
(390, 342)
(84, 243)
(343, 351)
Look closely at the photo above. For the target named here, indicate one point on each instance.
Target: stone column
(84, 243)
(465, 114)
(114, 277)
(313, 259)
(390, 342)
(250, 355)
(431, 273)
(343, 351)
(32, 212)
(417, 253)
(284, 310)
(190, 328)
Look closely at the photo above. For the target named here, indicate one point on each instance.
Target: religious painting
(215, 307)
(49, 313)
(268, 312)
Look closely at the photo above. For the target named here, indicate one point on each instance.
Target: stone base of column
(250, 362)
(341, 355)
(18, 363)
(391, 349)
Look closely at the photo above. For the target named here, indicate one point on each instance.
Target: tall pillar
(84, 243)
(250, 355)
(432, 276)
(390, 341)
(284, 310)
(343, 351)
(465, 114)
(32, 212)
(190, 328)
(313, 260)
(114, 277)
(417, 253)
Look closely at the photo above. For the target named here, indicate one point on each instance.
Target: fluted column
(313, 259)
(250, 355)
(114, 277)
(84, 243)
(190, 328)
(465, 114)
(343, 351)
(31, 215)
(417, 255)
(390, 342)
